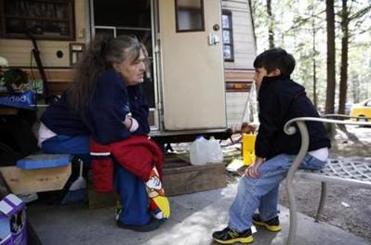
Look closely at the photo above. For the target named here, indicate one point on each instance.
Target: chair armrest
(290, 130)
(300, 121)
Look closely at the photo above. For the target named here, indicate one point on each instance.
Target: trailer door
(193, 91)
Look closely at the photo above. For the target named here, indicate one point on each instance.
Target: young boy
(280, 99)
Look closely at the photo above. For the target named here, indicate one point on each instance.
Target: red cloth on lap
(137, 154)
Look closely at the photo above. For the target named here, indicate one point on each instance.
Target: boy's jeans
(262, 193)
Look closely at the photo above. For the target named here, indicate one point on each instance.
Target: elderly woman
(105, 112)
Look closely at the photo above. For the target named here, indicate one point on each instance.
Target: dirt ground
(346, 207)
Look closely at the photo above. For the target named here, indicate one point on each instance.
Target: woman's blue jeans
(262, 193)
(133, 198)
(64, 144)
(132, 190)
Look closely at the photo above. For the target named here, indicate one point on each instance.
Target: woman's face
(132, 70)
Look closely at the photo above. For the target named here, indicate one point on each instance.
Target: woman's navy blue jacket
(281, 99)
(106, 111)
(111, 102)
(62, 120)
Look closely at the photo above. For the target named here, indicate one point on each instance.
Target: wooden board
(188, 179)
(28, 181)
(8, 111)
(100, 199)
(179, 178)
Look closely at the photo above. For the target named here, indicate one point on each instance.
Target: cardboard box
(13, 230)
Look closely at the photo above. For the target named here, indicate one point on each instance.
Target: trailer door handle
(213, 39)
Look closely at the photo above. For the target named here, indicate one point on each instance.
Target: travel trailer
(201, 53)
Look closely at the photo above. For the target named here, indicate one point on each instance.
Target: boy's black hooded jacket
(281, 99)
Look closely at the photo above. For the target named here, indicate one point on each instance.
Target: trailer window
(44, 19)
(189, 15)
(227, 36)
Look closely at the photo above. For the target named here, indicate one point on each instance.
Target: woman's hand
(253, 170)
(128, 121)
(131, 123)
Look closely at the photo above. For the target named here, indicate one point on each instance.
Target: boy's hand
(252, 170)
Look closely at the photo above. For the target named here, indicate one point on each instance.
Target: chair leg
(321, 201)
(293, 218)
(290, 176)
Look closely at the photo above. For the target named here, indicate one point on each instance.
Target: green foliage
(16, 80)
(15, 76)
(300, 28)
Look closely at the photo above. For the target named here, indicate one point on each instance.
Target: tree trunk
(314, 63)
(344, 58)
(270, 27)
(356, 88)
(331, 85)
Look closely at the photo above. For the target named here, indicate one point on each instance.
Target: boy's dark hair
(275, 58)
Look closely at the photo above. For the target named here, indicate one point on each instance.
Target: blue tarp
(25, 100)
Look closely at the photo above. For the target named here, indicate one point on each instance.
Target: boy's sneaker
(230, 236)
(270, 225)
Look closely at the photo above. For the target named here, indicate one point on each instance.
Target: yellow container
(248, 148)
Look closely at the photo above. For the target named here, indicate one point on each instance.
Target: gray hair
(101, 54)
